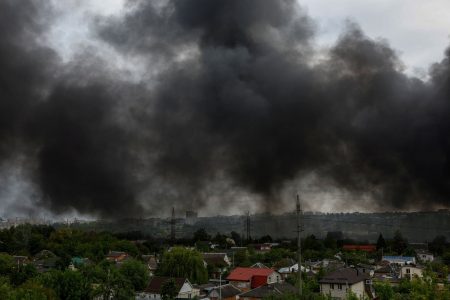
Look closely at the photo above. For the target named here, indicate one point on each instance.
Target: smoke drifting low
(236, 104)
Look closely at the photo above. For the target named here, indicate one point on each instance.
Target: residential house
(246, 279)
(386, 271)
(152, 263)
(77, 262)
(338, 284)
(285, 272)
(411, 271)
(259, 266)
(117, 257)
(314, 265)
(224, 292)
(154, 289)
(44, 261)
(204, 289)
(268, 290)
(364, 268)
(216, 263)
(20, 260)
(331, 265)
(400, 260)
(284, 263)
(262, 247)
(424, 256)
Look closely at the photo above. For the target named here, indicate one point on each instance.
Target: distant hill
(416, 226)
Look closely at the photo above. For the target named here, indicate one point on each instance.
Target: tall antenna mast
(299, 244)
(248, 226)
(172, 225)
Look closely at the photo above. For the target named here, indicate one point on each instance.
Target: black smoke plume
(235, 95)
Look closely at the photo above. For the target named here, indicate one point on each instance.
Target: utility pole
(299, 244)
(248, 226)
(220, 285)
(172, 226)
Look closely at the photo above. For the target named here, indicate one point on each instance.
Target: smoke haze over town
(130, 108)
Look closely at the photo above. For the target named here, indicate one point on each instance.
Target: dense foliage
(97, 277)
(182, 262)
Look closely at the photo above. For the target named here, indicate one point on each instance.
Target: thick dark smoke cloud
(236, 91)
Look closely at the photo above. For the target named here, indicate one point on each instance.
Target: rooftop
(347, 275)
(246, 274)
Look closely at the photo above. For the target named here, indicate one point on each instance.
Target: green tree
(33, 291)
(6, 264)
(236, 237)
(169, 290)
(201, 235)
(381, 243)
(241, 258)
(437, 246)
(399, 244)
(136, 272)
(330, 242)
(22, 274)
(67, 284)
(182, 262)
(383, 290)
(109, 283)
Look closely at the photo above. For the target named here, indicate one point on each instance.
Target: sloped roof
(156, 283)
(246, 274)
(347, 275)
(260, 266)
(116, 253)
(44, 254)
(386, 269)
(278, 288)
(214, 258)
(228, 290)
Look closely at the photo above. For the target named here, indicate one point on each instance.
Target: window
(408, 271)
(332, 286)
(339, 286)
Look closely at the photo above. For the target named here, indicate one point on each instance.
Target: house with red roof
(246, 279)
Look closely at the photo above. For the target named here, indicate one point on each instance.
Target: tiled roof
(246, 274)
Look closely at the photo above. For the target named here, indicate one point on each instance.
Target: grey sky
(418, 30)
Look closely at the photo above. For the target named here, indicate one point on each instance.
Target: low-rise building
(246, 279)
(224, 292)
(152, 263)
(117, 256)
(340, 283)
(400, 260)
(268, 290)
(153, 291)
(216, 263)
(411, 271)
(286, 271)
(424, 256)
